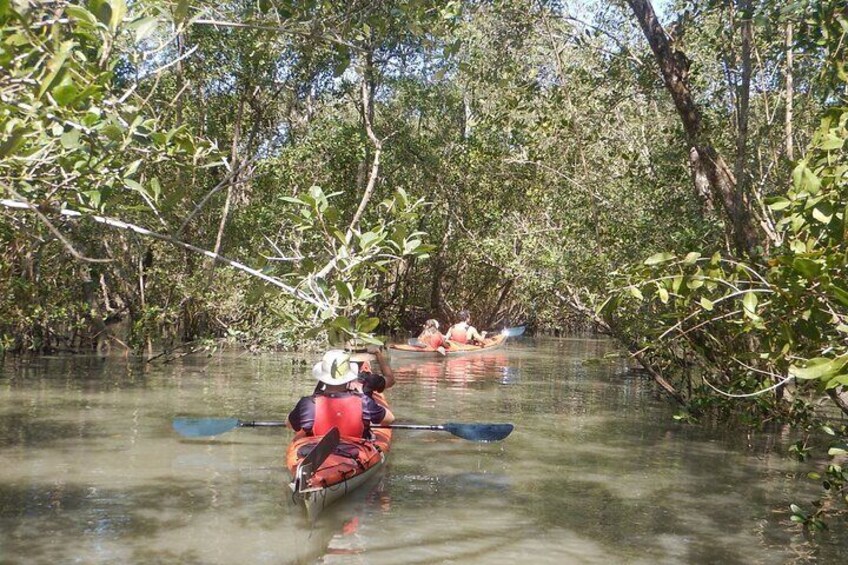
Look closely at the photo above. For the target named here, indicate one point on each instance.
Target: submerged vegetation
(274, 172)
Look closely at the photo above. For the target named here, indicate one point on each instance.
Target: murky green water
(597, 471)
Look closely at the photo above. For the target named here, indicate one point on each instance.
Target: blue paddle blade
(203, 427)
(513, 332)
(415, 342)
(479, 432)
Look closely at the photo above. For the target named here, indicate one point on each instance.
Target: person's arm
(473, 334)
(448, 334)
(388, 419)
(385, 368)
(302, 415)
(376, 413)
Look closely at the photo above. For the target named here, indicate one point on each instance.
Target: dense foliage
(278, 172)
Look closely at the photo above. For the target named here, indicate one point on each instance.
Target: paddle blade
(415, 342)
(322, 449)
(203, 427)
(479, 432)
(513, 332)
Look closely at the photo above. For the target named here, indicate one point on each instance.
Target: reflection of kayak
(352, 463)
(454, 349)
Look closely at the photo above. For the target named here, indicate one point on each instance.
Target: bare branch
(115, 223)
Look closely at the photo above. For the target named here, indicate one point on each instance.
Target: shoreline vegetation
(285, 174)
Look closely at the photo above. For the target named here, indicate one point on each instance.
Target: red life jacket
(342, 412)
(459, 333)
(433, 340)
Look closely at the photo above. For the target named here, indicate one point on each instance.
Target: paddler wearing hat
(336, 402)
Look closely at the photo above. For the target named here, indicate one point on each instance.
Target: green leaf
(341, 322)
(833, 451)
(12, 142)
(819, 368)
(367, 325)
(691, 258)
(749, 304)
(663, 294)
(181, 11)
(807, 267)
(695, 282)
(156, 188)
(635, 292)
(839, 380)
(143, 27)
(71, 139)
(135, 185)
(658, 258)
(55, 67)
(65, 94)
(779, 203)
(706, 304)
(822, 215)
(839, 294)
(831, 142)
(81, 14)
(344, 289)
(119, 10)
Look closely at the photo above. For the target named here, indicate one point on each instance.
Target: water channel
(597, 470)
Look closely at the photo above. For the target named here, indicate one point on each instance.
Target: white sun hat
(335, 368)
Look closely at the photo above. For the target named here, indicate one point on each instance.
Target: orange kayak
(453, 349)
(353, 462)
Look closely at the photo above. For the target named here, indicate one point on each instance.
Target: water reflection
(596, 471)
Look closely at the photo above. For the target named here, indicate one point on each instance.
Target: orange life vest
(342, 412)
(459, 333)
(433, 340)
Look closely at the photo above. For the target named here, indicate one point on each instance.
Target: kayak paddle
(203, 427)
(513, 332)
(322, 450)
(472, 432)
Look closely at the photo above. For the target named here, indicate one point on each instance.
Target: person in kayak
(334, 404)
(463, 331)
(368, 381)
(431, 337)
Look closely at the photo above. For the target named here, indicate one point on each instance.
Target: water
(597, 470)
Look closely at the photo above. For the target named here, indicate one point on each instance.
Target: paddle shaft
(277, 424)
(433, 427)
(260, 424)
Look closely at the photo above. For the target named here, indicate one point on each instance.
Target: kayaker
(430, 336)
(369, 380)
(335, 404)
(463, 331)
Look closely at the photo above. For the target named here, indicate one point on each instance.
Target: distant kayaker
(431, 337)
(463, 331)
(334, 404)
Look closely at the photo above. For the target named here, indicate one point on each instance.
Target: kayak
(454, 349)
(352, 463)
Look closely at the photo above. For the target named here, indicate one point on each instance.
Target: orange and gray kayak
(343, 465)
(453, 348)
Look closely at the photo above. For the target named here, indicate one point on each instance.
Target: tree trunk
(790, 152)
(743, 98)
(707, 163)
